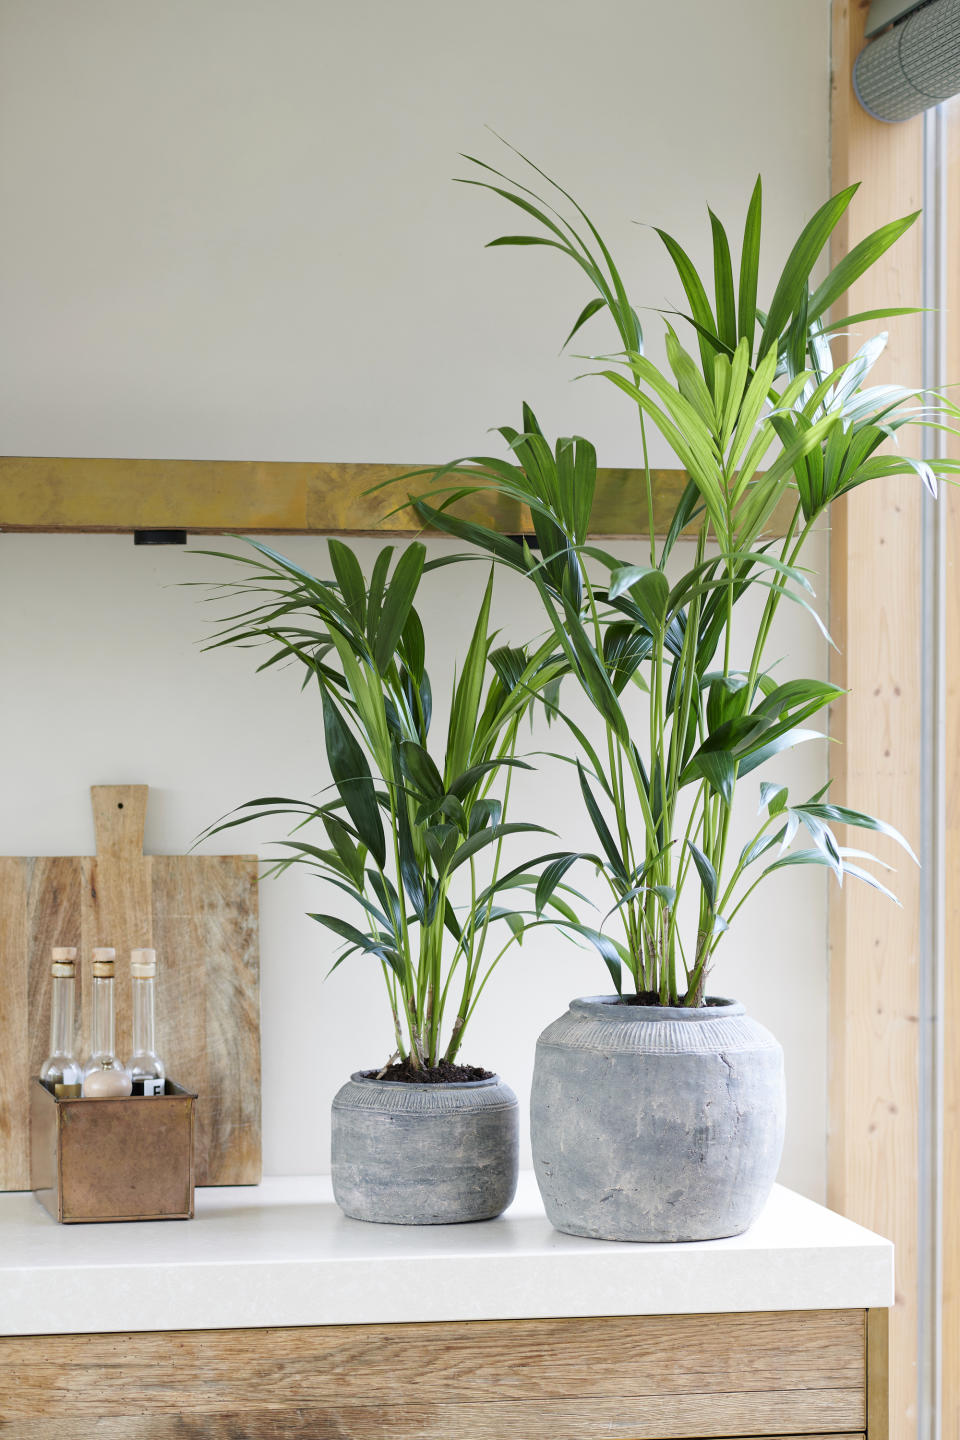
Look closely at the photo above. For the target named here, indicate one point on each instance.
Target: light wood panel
(39, 908)
(14, 1018)
(730, 1375)
(598, 1422)
(951, 1019)
(79, 494)
(116, 908)
(477, 1361)
(875, 621)
(206, 905)
(691, 1417)
(878, 1374)
(200, 914)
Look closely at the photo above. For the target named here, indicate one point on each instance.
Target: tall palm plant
(633, 636)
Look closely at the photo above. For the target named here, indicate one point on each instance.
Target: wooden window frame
(876, 619)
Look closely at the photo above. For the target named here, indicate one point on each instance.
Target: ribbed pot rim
(612, 1007)
(360, 1079)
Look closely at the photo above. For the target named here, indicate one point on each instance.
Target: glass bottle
(61, 1069)
(147, 1070)
(104, 1077)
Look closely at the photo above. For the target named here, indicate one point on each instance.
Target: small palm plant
(638, 638)
(403, 829)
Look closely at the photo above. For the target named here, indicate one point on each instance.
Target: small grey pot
(424, 1154)
(656, 1124)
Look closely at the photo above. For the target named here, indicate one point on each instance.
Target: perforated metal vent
(913, 65)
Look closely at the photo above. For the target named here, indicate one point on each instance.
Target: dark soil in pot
(651, 999)
(443, 1073)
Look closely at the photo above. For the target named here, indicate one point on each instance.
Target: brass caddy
(124, 1159)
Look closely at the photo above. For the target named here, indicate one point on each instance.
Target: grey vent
(913, 65)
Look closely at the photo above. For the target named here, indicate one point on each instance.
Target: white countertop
(281, 1253)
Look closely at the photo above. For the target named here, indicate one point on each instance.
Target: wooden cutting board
(199, 912)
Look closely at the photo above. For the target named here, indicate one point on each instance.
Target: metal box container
(125, 1159)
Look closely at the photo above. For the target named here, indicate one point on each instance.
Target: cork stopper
(143, 964)
(103, 958)
(63, 962)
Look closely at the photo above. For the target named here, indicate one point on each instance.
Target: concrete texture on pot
(424, 1154)
(652, 1123)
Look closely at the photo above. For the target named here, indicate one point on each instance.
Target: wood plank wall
(875, 621)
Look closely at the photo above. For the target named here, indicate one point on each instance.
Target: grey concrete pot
(424, 1154)
(656, 1124)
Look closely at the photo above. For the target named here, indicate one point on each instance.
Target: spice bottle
(61, 1069)
(147, 1070)
(104, 1076)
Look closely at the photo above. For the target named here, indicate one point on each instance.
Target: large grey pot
(652, 1123)
(424, 1154)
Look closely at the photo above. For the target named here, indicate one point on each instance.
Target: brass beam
(276, 497)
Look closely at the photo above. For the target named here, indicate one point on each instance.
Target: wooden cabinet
(819, 1374)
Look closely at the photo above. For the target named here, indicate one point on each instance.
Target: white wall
(229, 232)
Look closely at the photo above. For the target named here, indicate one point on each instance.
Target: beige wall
(229, 231)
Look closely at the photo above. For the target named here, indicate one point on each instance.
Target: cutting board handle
(119, 815)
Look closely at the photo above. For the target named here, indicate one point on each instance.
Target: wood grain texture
(950, 1339)
(81, 494)
(356, 1423)
(39, 908)
(206, 907)
(876, 623)
(14, 1023)
(766, 1374)
(878, 1375)
(53, 918)
(116, 907)
(475, 1361)
(182, 1008)
(516, 1420)
(200, 914)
